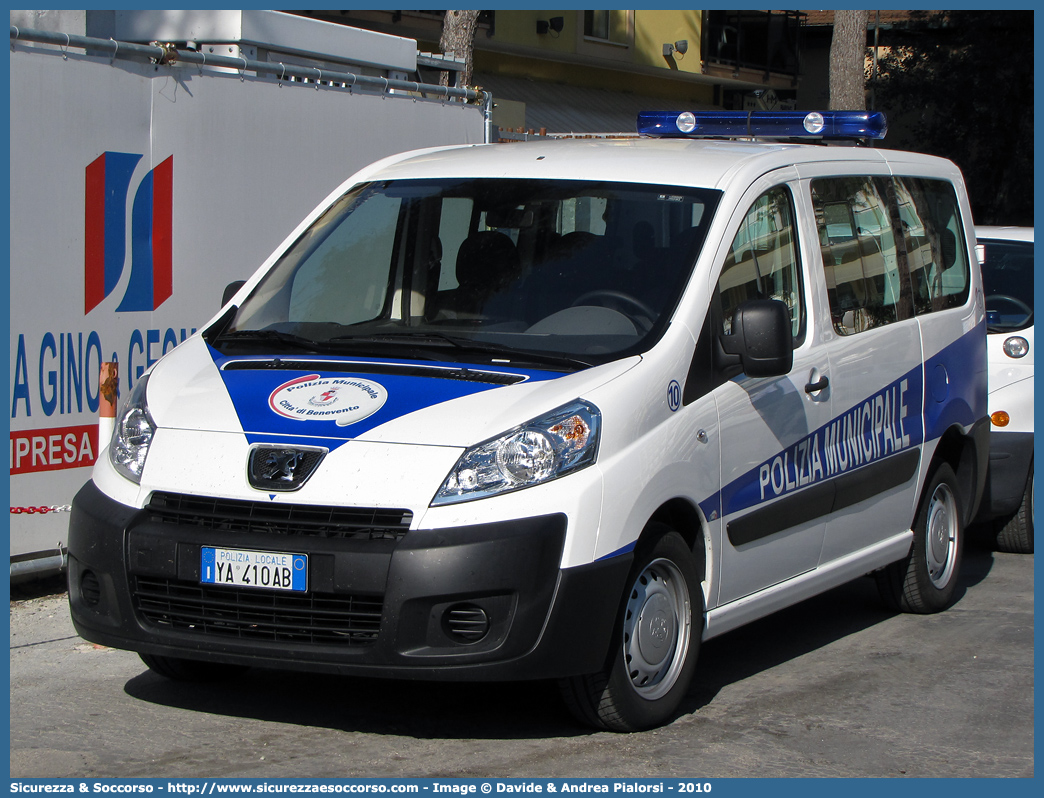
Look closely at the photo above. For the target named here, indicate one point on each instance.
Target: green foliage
(960, 85)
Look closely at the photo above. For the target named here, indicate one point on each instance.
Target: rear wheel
(1016, 535)
(190, 670)
(925, 580)
(655, 645)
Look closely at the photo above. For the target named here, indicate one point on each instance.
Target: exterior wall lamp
(555, 25)
(680, 47)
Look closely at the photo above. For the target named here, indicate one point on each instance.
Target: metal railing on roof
(168, 54)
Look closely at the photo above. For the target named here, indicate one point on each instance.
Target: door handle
(815, 387)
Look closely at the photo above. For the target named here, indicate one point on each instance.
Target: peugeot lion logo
(282, 468)
(279, 465)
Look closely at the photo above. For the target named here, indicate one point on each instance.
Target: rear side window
(891, 247)
(862, 259)
(934, 238)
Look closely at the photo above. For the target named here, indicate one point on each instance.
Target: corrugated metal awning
(564, 109)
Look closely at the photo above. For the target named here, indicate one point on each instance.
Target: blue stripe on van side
(865, 434)
(881, 425)
(955, 384)
(619, 552)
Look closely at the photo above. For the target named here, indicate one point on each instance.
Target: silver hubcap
(942, 534)
(657, 625)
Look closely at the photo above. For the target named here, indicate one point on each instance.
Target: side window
(454, 227)
(762, 262)
(934, 243)
(1007, 282)
(861, 261)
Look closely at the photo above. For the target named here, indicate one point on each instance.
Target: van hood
(327, 401)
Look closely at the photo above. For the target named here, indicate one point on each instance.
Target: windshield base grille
(362, 367)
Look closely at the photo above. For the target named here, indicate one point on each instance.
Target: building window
(608, 26)
(766, 41)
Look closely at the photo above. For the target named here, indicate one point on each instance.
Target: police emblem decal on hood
(344, 400)
(268, 404)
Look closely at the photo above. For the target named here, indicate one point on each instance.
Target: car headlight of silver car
(132, 434)
(1016, 347)
(563, 441)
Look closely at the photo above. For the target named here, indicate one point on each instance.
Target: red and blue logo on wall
(105, 232)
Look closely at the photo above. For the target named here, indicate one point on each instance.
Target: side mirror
(230, 291)
(762, 339)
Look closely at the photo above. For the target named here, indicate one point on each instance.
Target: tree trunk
(458, 37)
(848, 61)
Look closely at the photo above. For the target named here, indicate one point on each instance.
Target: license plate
(265, 570)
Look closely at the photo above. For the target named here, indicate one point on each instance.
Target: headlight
(563, 441)
(1016, 346)
(132, 434)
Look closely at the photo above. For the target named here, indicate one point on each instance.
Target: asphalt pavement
(836, 686)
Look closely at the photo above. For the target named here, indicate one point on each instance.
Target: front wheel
(655, 645)
(925, 580)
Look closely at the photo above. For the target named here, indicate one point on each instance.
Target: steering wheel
(612, 299)
(1018, 303)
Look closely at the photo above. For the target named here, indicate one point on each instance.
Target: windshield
(1007, 280)
(500, 270)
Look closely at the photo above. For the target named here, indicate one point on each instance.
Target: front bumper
(376, 605)
(1011, 455)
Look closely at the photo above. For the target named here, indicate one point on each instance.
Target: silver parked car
(1006, 255)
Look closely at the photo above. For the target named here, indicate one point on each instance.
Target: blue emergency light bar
(764, 124)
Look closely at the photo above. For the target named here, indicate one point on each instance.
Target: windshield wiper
(269, 336)
(382, 337)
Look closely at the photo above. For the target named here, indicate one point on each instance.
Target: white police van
(557, 410)
(1006, 256)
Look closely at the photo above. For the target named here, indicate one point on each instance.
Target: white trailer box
(139, 190)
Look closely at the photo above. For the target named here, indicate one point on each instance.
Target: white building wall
(250, 157)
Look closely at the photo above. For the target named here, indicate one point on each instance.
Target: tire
(190, 670)
(925, 580)
(1016, 535)
(655, 642)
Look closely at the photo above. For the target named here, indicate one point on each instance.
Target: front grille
(233, 515)
(316, 618)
